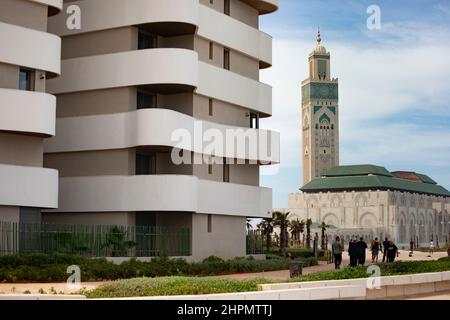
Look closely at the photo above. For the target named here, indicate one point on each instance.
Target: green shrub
(171, 286)
(48, 268)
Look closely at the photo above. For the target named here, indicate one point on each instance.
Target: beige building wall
(401, 216)
(92, 163)
(239, 63)
(9, 214)
(24, 13)
(99, 218)
(238, 10)
(9, 76)
(118, 39)
(101, 42)
(21, 150)
(225, 240)
(96, 102)
(27, 116)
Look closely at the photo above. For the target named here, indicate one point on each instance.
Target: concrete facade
(29, 56)
(401, 216)
(131, 77)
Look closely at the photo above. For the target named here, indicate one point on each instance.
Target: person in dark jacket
(361, 247)
(391, 252)
(352, 253)
(385, 245)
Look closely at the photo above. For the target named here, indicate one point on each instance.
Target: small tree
(323, 227)
(116, 242)
(266, 227)
(294, 227)
(281, 220)
(308, 233)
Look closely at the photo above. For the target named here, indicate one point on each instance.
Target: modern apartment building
(28, 56)
(134, 75)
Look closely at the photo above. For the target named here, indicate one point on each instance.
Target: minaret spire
(319, 39)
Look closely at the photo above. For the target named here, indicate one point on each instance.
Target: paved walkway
(272, 275)
(436, 296)
(323, 266)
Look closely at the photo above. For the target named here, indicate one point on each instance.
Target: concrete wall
(98, 218)
(21, 150)
(226, 239)
(100, 42)
(92, 163)
(96, 102)
(224, 113)
(9, 76)
(239, 63)
(9, 214)
(238, 10)
(24, 13)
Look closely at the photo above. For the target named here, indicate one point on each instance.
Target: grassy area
(52, 268)
(190, 285)
(443, 249)
(171, 286)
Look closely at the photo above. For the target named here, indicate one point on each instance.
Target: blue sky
(394, 84)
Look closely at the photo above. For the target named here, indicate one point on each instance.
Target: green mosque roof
(357, 170)
(370, 177)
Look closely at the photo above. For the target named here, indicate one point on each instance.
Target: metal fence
(94, 240)
(255, 242)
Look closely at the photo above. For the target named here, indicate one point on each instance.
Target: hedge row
(49, 268)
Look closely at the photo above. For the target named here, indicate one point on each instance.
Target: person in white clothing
(431, 248)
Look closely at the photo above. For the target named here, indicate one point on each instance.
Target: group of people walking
(357, 251)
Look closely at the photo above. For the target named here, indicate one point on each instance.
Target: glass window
(146, 100)
(211, 51)
(147, 40)
(211, 107)
(226, 172)
(226, 7)
(145, 163)
(209, 223)
(26, 80)
(226, 59)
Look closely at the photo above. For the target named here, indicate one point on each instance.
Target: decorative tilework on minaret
(320, 116)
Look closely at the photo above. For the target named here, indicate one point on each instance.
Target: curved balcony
(54, 6)
(28, 187)
(30, 48)
(263, 6)
(26, 111)
(162, 193)
(176, 70)
(159, 127)
(233, 88)
(234, 34)
(170, 17)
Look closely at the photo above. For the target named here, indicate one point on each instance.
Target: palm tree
(266, 227)
(308, 233)
(281, 220)
(249, 224)
(296, 228)
(323, 226)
